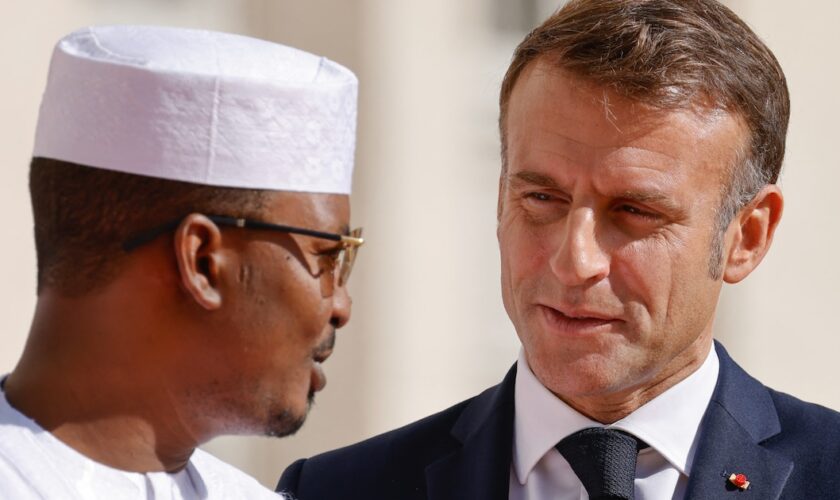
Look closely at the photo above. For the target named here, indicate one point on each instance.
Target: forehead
(320, 211)
(555, 116)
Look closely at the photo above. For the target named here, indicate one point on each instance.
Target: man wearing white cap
(190, 197)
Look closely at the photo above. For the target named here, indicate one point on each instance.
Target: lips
(317, 380)
(577, 322)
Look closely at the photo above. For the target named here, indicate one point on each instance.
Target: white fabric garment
(669, 423)
(199, 106)
(36, 465)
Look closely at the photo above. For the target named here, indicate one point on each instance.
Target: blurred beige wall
(780, 323)
(428, 327)
(29, 31)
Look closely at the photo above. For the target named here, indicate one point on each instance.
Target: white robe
(36, 465)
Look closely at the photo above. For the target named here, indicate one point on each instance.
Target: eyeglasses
(334, 266)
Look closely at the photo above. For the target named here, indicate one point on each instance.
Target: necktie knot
(604, 460)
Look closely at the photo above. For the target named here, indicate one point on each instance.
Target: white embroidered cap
(199, 106)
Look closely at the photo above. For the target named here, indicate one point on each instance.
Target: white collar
(669, 423)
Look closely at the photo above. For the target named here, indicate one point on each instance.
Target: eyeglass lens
(337, 269)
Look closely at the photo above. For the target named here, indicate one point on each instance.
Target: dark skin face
(272, 326)
(206, 331)
(606, 218)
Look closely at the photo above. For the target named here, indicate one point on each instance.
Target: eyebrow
(654, 197)
(527, 177)
(546, 181)
(646, 197)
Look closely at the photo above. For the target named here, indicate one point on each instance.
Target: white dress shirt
(669, 424)
(34, 464)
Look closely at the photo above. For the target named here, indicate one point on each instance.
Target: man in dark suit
(641, 145)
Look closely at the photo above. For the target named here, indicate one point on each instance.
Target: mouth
(321, 356)
(577, 322)
(318, 380)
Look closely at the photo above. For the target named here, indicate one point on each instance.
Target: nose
(342, 303)
(580, 260)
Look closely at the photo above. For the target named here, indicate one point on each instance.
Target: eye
(637, 212)
(543, 206)
(331, 253)
(540, 197)
(328, 260)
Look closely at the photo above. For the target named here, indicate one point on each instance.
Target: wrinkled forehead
(617, 101)
(563, 107)
(559, 124)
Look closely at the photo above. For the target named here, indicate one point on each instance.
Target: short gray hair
(746, 178)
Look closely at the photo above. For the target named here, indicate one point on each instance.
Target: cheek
(642, 277)
(693, 297)
(522, 263)
(665, 287)
(641, 272)
(285, 308)
(524, 251)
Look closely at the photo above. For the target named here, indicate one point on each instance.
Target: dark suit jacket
(787, 448)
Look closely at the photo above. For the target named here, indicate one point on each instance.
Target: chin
(574, 375)
(284, 424)
(288, 421)
(574, 381)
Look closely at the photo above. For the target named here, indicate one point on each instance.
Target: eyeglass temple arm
(147, 236)
(352, 241)
(347, 240)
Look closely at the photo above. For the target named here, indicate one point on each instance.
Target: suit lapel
(740, 416)
(480, 468)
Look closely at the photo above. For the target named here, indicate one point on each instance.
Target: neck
(98, 383)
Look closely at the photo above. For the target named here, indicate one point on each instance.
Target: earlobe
(754, 227)
(198, 253)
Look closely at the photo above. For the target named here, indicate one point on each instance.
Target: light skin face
(607, 214)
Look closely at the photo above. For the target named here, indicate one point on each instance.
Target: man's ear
(753, 229)
(198, 245)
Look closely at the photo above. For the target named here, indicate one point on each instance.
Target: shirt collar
(668, 423)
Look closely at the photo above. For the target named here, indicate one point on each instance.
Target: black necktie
(604, 461)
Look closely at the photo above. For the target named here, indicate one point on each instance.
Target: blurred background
(428, 327)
